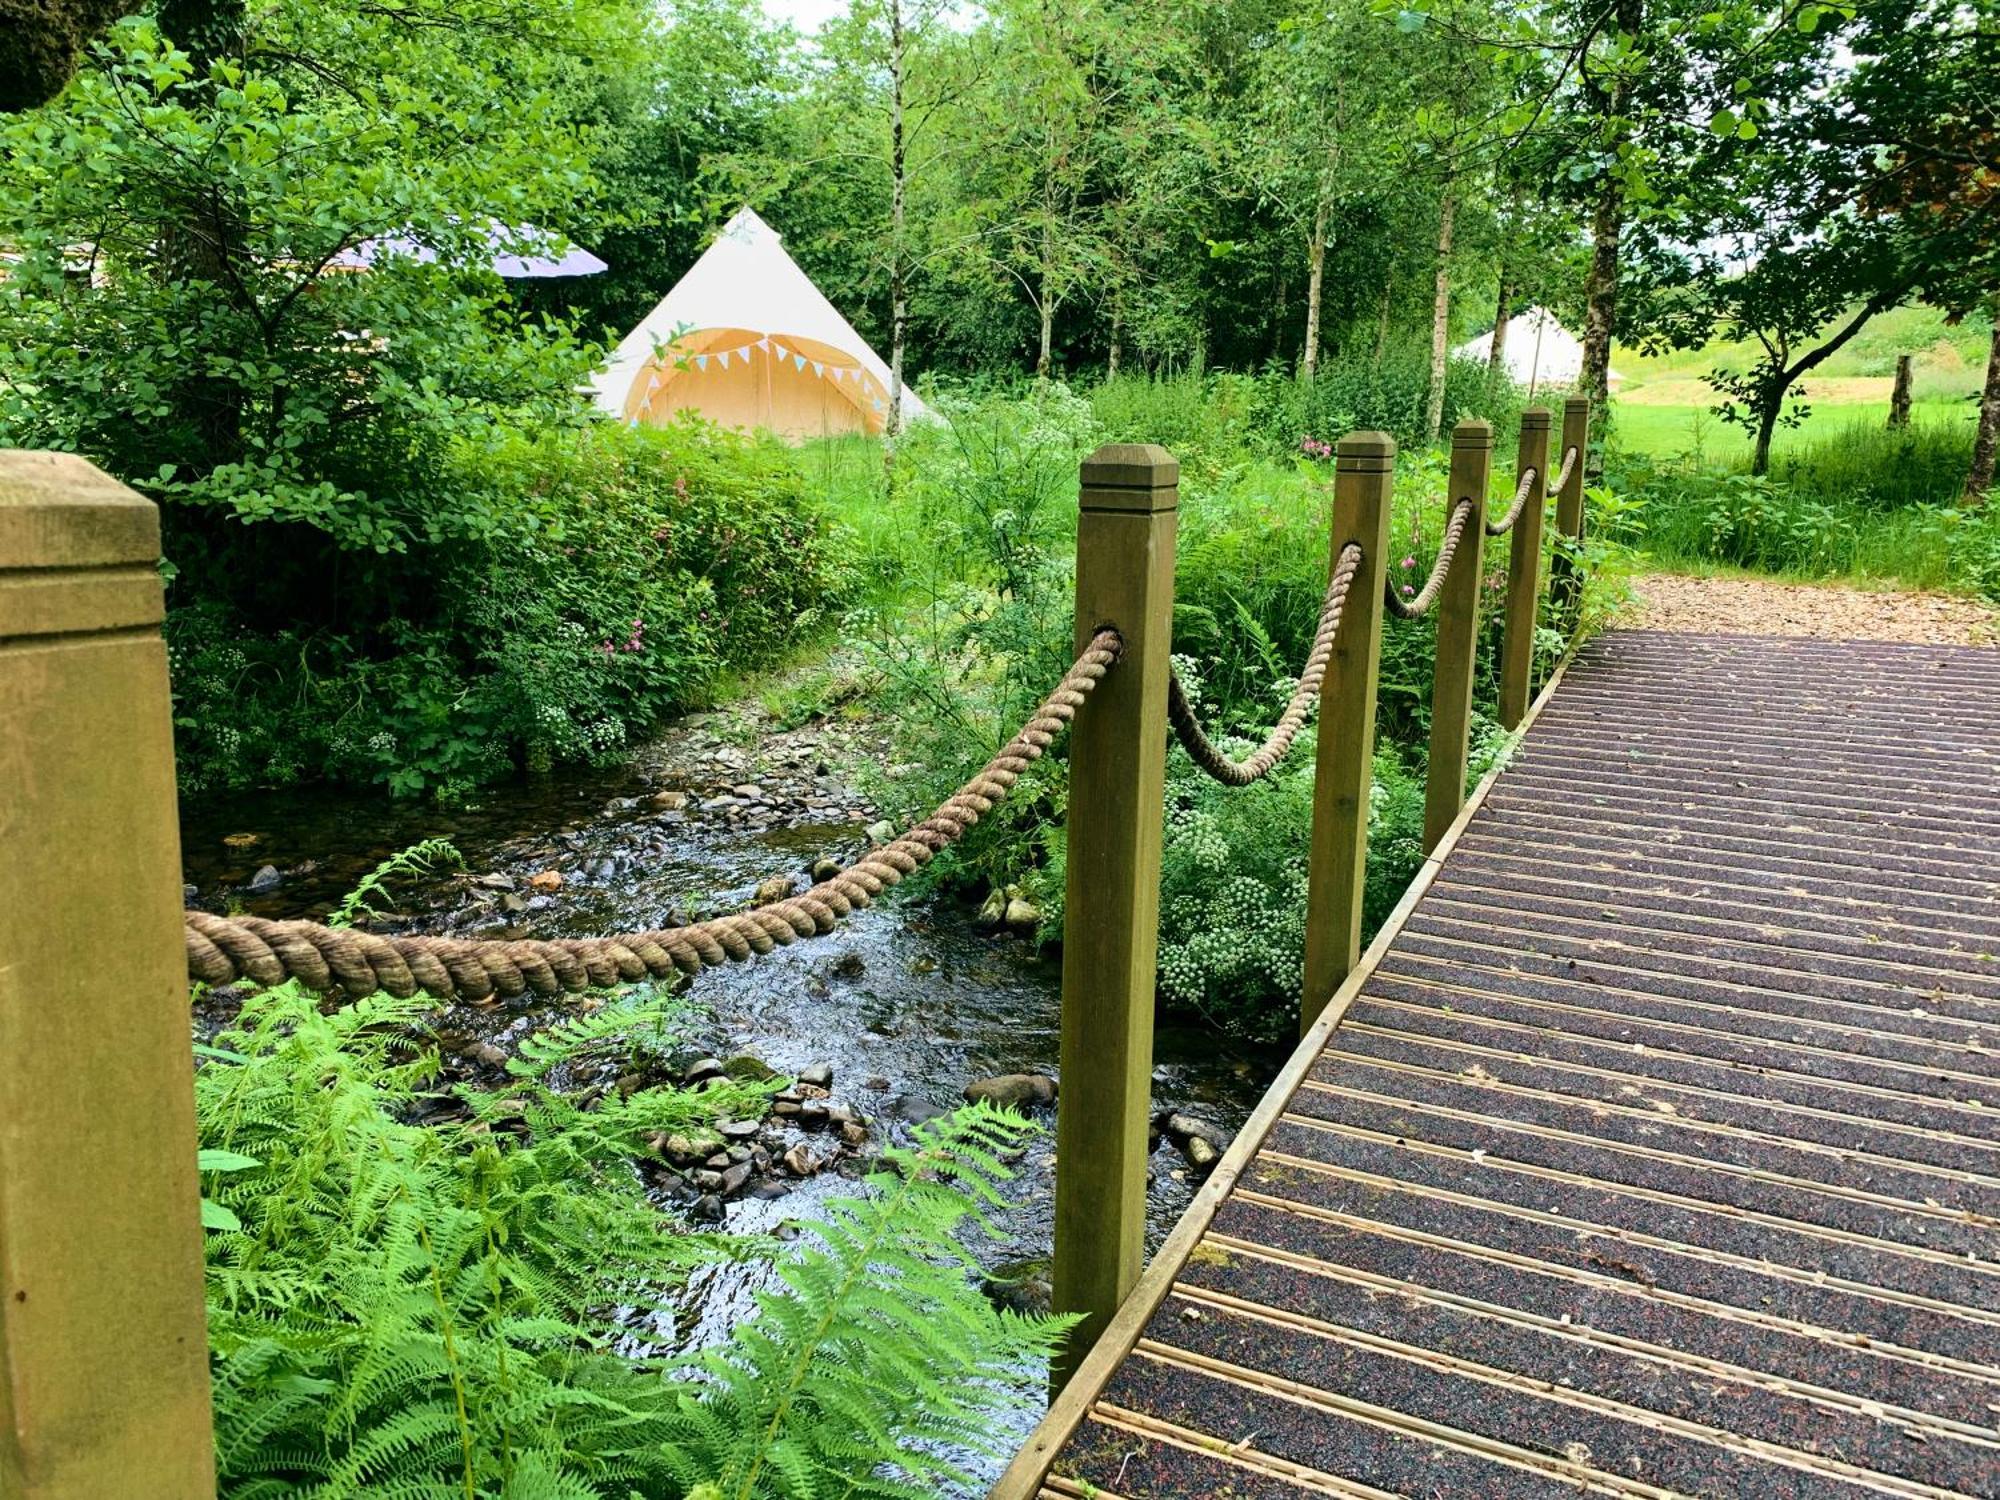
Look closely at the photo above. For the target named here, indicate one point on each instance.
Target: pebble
(266, 879)
(826, 869)
(1012, 1090)
(708, 1209)
(819, 1075)
(737, 1130)
(702, 1067)
(670, 801)
(545, 881)
(801, 1161)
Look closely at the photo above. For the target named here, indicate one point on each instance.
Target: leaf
(224, 1161)
(215, 1216)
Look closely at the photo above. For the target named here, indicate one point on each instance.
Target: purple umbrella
(576, 261)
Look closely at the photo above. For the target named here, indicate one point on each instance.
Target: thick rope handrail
(1520, 503)
(1254, 767)
(221, 950)
(1420, 603)
(1562, 474)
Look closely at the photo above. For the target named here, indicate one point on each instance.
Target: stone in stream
(495, 882)
(1014, 1091)
(701, 1068)
(853, 1133)
(769, 1188)
(670, 801)
(682, 1148)
(802, 1161)
(734, 1178)
(850, 965)
(1201, 1144)
(737, 1130)
(825, 869)
(707, 1209)
(545, 881)
(917, 1111)
(1200, 1155)
(812, 1112)
(819, 1075)
(1021, 1286)
(745, 1068)
(881, 832)
(708, 1181)
(266, 879)
(514, 901)
(775, 889)
(993, 911)
(1022, 915)
(876, 1085)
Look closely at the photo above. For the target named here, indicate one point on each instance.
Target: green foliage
(482, 1308)
(1867, 503)
(645, 563)
(873, 1334)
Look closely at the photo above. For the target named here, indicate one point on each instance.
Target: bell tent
(747, 340)
(1539, 352)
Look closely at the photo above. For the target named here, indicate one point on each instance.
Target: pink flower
(1409, 562)
(1408, 589)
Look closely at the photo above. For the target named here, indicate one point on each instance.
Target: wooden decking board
(1657, 1151)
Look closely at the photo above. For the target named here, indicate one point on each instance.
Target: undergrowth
(483, 1308)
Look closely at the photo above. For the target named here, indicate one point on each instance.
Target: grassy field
(1662, 405)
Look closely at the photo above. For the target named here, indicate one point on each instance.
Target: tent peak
(747, 225)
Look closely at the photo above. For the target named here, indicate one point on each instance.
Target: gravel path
(1757, 606)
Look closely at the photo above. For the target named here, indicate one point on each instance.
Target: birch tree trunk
(1496, 359)
(1607, 223)
(899, 296)
(1315, 278)
(1440, 315)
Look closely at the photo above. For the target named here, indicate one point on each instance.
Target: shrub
(634, 567)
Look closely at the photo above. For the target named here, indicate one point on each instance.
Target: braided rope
(1420, 604)
(221, 950)
(1180, 712)
(1506, 523)
(1563, 474)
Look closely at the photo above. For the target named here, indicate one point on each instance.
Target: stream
(906, 1003)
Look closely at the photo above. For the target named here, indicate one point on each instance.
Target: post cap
(1472, 432)
(61, 511)
(1535, 419)
(1365, 453)
(79, 552)
(1576, 403)
(1130, 476)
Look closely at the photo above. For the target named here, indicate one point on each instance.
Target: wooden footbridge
(1654, 1149)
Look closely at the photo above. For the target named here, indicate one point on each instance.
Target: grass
(1663, 431)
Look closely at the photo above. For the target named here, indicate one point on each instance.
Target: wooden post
(103, 1343)
(1524, 573)
(1117, 785)
(1458, 632)
(1899, 394)
(1364, 468)
(1565, 581)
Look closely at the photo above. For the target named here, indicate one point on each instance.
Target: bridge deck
(1656, 1152)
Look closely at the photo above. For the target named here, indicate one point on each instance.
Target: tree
(1321, 132)
(40, 42)
(195, 309)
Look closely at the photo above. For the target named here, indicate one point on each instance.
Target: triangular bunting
(723, 359)
(779, 349)
(798, 361)
(818, 368)
(701, 361)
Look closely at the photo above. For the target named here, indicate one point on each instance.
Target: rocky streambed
(888, 1022)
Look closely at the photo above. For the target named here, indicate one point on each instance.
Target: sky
(807, 15)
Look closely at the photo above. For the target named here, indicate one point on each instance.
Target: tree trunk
(1607, 223)
(1979, 482)
(1111, 361)
(1280, 295)
(1440, 316)
(1382, 319)
(1496, 359)
(1767, 424)
(1315, 276)
(1899, 398)
(1044, 359)
(899, 299)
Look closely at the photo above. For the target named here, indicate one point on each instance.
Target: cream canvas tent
(747, 340)
(1539, 353)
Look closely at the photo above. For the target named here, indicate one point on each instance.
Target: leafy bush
(476, 1308)
(635, 566)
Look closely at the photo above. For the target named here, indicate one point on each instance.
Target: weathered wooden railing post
(1458, 632)
(1524, 573)
(1565, 579)
(1364, 468)
(1117, 781)
(103, 1346)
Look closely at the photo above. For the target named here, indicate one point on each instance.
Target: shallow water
(907, 1001)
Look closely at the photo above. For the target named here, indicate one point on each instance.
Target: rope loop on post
(1506, 522)
(1254, 767)
(223, 950)
(1420, 603)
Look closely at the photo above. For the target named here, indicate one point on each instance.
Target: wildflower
(1409, 562)
(1409, 589)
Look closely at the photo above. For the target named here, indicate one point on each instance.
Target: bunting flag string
(777, 351)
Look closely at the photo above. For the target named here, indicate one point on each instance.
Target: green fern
(872, 1374)
(468, 1310)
